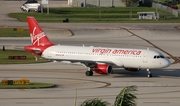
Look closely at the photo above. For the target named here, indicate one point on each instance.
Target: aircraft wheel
(149, 75)
(89, 73)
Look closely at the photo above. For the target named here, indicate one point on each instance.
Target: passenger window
(154, 57)
(158, 56)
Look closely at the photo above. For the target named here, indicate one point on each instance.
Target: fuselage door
(145, 57)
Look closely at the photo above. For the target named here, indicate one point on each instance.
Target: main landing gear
(149, 73)
(89, 73)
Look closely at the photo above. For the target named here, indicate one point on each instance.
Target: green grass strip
(96, 15)
(10, 32)
(32, 85)
(4, 57)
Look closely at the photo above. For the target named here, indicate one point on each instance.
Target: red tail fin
(38, 37)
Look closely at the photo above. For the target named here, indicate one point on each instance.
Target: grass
(93, 14)
(4, 57)
(32, 85)
(10, 32)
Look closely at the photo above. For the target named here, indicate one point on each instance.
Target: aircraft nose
(166, 63)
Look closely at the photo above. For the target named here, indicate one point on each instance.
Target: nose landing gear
(149, 73)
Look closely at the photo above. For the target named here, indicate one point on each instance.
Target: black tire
(89, 73)
(149, 75)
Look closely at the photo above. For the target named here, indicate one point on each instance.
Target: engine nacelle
(103, 69)
(132, 69)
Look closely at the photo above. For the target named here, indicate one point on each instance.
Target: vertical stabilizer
(38, 37)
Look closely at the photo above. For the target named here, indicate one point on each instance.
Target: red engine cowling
(103, 69)
(132, 69)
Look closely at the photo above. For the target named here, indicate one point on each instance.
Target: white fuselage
(117, 57)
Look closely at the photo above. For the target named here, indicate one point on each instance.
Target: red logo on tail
(35, 38)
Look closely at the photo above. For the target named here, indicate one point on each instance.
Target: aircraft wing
(90, 63)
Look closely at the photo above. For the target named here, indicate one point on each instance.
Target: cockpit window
(158, 56)
(162, 56)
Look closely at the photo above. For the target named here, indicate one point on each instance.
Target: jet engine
(132, 69)
(103, 69)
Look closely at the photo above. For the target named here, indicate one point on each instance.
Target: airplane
(100, 60)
